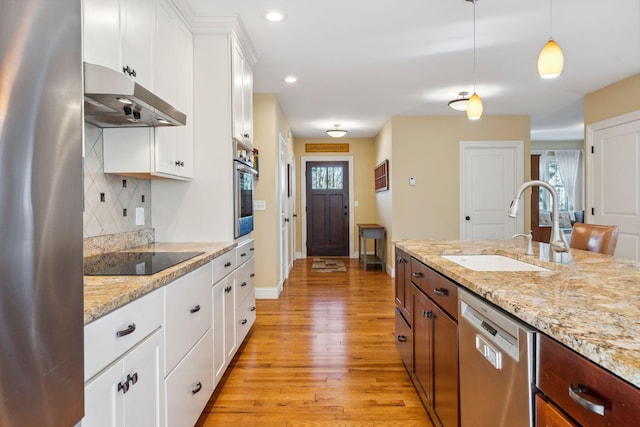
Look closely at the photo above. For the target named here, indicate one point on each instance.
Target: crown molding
(227, 24)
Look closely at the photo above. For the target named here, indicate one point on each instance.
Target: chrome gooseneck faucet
(557, 242)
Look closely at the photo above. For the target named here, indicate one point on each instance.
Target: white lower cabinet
(190, 385)
(224, 325)
(130, 391)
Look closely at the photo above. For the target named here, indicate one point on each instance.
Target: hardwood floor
(323, 354)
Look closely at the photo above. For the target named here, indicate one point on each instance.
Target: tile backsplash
(110, 201)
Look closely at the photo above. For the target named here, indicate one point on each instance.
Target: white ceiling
(360, 62)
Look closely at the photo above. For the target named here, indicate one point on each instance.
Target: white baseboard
(269, 293)
(299, 255)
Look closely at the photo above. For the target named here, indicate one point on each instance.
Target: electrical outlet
(139, 216)
(412, 181)
(259, 205)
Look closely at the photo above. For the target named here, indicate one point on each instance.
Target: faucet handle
(529, 237)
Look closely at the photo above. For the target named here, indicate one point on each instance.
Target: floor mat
(328, 265)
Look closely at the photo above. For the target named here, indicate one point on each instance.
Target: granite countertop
(104, 294)
(591, 304)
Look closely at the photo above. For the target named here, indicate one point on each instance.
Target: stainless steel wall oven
(243, 190)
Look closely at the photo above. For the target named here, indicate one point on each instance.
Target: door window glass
(327, 178)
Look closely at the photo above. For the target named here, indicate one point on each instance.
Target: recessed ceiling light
(275, 16)
(290, 79)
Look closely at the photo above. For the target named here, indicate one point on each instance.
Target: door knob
(467, 217)
(286, 220)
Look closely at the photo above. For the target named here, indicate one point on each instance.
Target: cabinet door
(144, 402)
(101, 32)
(247, 102)
(218, 326)
(237, 74)
(138, 18)
(230, 326)
(184, 101)
(403, 284)
(445, 367)
(103, 402)
(423, 312)
(547, 415)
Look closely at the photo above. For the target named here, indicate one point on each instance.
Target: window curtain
(568, 161)
(544, 176)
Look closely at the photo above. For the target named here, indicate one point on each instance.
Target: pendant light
(460, 103)
(551, 59)
(474, 105)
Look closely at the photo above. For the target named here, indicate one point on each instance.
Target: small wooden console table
(378, 234)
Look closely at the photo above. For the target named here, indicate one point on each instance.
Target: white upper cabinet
(174, 84)
(241, 96)
(119, 34)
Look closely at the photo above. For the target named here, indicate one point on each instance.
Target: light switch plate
(259, 205)
(139, 216)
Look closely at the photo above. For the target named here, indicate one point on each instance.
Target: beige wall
(427, 148)
(269, 123)
(384, 199)
(614, 100)
(363, 152)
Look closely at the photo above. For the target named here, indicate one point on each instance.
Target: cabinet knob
(244, 321)
(132, 378)
(123, 387)
(468, 218)
(252, 308)
(195, 309)
(427, 314)
(227, 289)
(245, 135)
(227, 264)
(402, 338)
(197, 389)
(252, 275)
(243, 284)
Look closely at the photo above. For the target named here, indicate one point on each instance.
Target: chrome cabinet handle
(591, 405)
(441, 292)
(402, 338)
(130, 329)
(195, 309)
(418, 274)
(197, 389)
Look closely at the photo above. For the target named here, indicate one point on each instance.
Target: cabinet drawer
(246, 316)
(190, 385)
(244, 251)
(187, 313)
(404, 340)
(132, 322)
(223, 265)
(245, 280)
(440, 289)
(560, 368)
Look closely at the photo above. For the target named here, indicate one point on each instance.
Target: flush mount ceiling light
(460, 103)
(337, 132)
(274, 16)
(474, 106)
(551, 59)
(290, 79)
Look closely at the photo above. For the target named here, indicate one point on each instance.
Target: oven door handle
(243, 167)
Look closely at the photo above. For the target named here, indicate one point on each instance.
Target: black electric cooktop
(133, 263)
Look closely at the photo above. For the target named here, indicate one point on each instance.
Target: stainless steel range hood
(112, 99)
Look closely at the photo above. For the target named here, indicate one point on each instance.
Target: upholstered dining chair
(594, 238)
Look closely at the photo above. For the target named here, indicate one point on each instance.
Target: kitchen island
(591, 304)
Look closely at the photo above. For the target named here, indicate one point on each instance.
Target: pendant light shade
(474, 107)
(460, 103)
(550, 61)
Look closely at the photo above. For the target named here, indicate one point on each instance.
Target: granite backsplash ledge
(117, 242)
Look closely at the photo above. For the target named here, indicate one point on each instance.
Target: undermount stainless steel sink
(492, 263)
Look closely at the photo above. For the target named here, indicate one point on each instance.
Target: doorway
(614, 184)
(490, 173)
(327, 201)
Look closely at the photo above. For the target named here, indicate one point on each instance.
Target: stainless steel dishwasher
(496, 366)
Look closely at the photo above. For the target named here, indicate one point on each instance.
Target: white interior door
(284, 214)
(293, 214)
(490, 173)
(616, 184)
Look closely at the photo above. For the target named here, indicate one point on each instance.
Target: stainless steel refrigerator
(41, 318)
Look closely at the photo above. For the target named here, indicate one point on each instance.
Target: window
(327, 178)
(555, 180)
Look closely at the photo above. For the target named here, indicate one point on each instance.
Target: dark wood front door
(327, 208)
